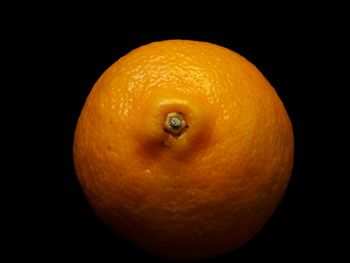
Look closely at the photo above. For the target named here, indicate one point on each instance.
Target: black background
(53, 54)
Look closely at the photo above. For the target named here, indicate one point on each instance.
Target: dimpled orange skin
(205, 192)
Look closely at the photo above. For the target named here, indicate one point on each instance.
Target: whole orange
(184, 149)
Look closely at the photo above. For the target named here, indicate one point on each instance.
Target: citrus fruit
(184, 149)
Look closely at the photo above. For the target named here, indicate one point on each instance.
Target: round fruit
(184, 149)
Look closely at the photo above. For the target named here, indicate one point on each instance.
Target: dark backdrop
(53, 54)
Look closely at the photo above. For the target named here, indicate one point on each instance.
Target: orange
(184, 149)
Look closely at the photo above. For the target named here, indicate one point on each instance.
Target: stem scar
(175, 123)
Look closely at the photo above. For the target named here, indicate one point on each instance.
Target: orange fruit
(184, 149)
